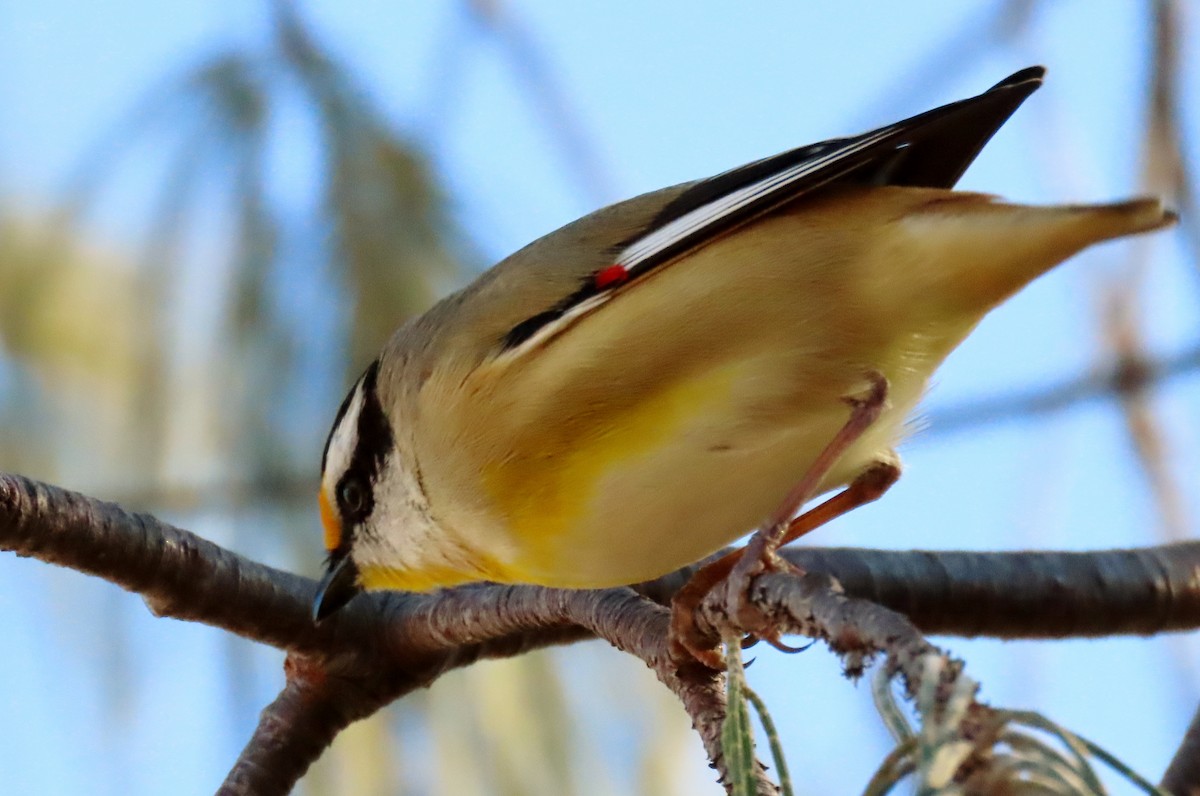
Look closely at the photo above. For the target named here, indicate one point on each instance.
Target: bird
(640, 388)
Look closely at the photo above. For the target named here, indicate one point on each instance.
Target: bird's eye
(352, 494)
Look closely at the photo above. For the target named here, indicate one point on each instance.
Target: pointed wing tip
(1030, 77)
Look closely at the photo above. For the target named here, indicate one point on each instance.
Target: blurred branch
(377, 247)
(388, 218)
(538, 79)
(1166, 162)
(1122, 321)
(268, 489)
(1126, 343)
(1123, 378)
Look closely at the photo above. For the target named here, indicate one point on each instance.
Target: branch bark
(383, 646)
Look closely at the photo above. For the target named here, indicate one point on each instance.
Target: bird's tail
(988, 250)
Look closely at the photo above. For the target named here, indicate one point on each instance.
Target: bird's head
(357, 466)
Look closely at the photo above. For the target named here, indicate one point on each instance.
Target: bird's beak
(337, 588)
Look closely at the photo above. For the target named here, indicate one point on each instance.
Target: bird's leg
(686, 642)
(739, 566)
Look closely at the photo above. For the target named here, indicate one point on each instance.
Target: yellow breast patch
(546, 490)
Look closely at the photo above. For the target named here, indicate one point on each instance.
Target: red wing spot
(612, 275)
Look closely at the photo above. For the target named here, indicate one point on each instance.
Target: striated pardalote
(645, 385)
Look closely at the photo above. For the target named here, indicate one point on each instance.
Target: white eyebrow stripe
(343, 442)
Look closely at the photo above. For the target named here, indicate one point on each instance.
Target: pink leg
(739, 566)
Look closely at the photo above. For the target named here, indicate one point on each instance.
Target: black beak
(337, 588)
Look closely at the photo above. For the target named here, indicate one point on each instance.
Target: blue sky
(660, 93)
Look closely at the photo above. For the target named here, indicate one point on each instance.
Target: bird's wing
(930, 150)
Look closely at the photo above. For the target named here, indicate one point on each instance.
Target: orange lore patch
(333, 527)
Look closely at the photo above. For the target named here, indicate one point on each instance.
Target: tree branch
(1043, 594)
(383, 646)
(292, 732)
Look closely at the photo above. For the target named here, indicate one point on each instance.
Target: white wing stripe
(679, 229)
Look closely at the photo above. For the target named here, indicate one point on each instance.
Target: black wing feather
(930, 150)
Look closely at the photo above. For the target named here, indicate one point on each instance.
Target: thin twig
(1182, 776)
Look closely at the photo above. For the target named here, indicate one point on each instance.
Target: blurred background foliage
(177, 375)
(188, 363)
